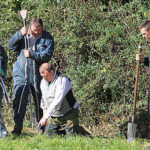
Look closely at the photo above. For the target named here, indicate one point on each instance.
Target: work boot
(3, 131)
(17, 130)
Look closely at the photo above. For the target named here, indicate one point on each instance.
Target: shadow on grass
(84, 131)
(143, 123)
(22, 135)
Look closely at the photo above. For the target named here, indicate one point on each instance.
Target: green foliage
(95, 45)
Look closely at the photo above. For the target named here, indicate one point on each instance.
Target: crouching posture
(3, 68)
(60, 108)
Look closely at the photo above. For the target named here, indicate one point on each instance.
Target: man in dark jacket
(41, 47)
(144, 28)
(3, 69)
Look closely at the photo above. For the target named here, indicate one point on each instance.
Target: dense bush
(95, 45)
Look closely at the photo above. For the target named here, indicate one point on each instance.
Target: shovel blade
(131, 132)
(23, 14)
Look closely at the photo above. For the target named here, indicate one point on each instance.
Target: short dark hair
(46, 66)
(36, 21)
(145, 24)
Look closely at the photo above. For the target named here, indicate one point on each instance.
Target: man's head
(144, 28)
(36, 27)
(47, 71)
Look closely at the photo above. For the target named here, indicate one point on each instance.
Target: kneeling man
(60, 108)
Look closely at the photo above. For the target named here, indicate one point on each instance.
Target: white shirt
(53, 94)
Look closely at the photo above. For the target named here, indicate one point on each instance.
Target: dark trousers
(20, 103)
(149, 102)
(67, 124)
(2, 124)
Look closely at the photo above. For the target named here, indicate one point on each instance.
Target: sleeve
(46, 54)
(14, 43)
(62, 88)
(42, 105)
(4, 60)
(146, 60)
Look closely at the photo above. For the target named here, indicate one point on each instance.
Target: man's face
(48, 76)
(145, 33)
(35, 31)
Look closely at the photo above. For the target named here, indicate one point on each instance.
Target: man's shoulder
(61, 75)
(62, 78)
(47, 34)
(43, 82)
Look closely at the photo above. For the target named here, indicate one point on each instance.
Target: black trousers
(149, 102)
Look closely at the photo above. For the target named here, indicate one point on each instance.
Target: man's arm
(14, 43)
(3, 61)
(146, 60)
(142, 59)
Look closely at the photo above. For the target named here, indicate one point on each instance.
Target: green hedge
(95, 45)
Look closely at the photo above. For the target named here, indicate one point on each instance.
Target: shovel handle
(136, 84)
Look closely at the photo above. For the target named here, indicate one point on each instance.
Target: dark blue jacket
(4, 61)
(44, 48)
(147, 63)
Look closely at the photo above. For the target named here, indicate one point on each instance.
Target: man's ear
(52, 72)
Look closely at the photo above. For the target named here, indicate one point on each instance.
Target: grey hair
(36, 21)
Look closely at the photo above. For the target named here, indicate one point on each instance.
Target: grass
(32, 140)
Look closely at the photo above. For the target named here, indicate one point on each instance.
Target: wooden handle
(136, 84)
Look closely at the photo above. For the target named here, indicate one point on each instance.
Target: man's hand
(30, 32)
(43, 121)
(24, 31)
(26, 53)
(139, 57)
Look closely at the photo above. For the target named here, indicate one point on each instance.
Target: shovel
(132, 126)
(23, 14)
